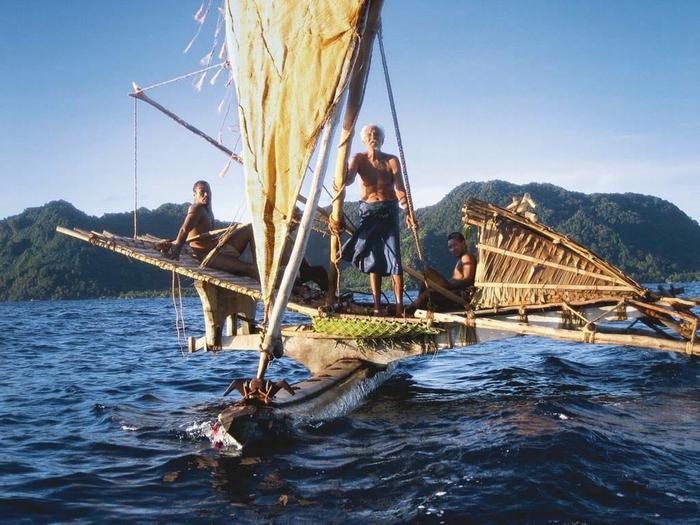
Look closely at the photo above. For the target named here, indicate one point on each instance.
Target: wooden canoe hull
(315, 398)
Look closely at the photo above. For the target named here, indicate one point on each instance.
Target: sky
(595, 96)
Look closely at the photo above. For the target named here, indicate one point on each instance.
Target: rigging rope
(180, 327)
(404, 171)
(136, 229)
(182, 77)
(402, 157)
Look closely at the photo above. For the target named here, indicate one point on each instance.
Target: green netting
(370, 328)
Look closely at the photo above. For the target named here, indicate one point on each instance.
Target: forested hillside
(647, 237)
(38, 263)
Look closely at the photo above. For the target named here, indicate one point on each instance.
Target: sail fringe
(200, 17)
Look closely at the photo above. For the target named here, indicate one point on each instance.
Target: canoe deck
(143, 248)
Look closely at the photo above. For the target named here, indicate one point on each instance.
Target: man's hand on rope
(411, 224)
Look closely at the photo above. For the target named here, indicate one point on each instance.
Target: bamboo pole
(219, 245)
(272, 334)
(356, 93)
(449, 294)
(139, 94)
(581, 336)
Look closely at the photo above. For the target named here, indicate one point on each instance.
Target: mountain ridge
(645, 236)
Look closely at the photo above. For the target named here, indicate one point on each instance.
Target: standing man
(375, 248)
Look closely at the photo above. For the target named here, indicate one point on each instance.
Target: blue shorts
(375, 246)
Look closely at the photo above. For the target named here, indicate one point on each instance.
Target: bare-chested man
(374, 248)
(195, 231)
(463, 275)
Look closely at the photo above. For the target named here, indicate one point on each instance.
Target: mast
(356, 93)
(272, 334)
(291, 63)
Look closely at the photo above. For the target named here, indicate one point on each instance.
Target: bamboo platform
(143, 249)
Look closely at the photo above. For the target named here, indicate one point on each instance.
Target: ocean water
(103, 419)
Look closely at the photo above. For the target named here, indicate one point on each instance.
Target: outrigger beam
(585, 335)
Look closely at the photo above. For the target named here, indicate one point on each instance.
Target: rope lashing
(187, 75)
(402, 158)
(180, 328)
(136, 186)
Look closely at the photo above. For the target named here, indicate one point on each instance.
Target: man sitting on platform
(196, 231)
(196, 228)
(462, 277)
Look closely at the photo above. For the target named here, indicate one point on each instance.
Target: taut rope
(180, 328)
(402, 157)
(136, 186)
(182, 77)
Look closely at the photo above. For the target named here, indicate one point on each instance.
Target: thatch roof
(522, 262)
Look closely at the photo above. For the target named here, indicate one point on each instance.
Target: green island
(647, 237)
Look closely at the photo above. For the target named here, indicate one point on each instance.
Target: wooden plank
(435, 286)
(550, 264)
(593, 287)
(581, 336)
(236, 283)
(189, 267)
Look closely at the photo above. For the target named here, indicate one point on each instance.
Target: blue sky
(593, 96)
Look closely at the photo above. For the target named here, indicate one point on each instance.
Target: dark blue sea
(104, 419)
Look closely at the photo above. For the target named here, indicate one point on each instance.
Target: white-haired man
(375, 246)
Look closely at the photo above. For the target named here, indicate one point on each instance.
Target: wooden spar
(582, 336)
(220, 244)
(272, 334)
(139, 94)
(545, 262)
(356, 93)
(449, 294)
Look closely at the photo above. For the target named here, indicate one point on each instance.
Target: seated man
(462, 276)
(195, 231)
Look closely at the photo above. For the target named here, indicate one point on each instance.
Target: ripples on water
(104, 419)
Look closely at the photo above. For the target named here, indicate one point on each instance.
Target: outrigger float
(530, 279)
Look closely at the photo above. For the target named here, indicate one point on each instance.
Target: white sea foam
(348, 401)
